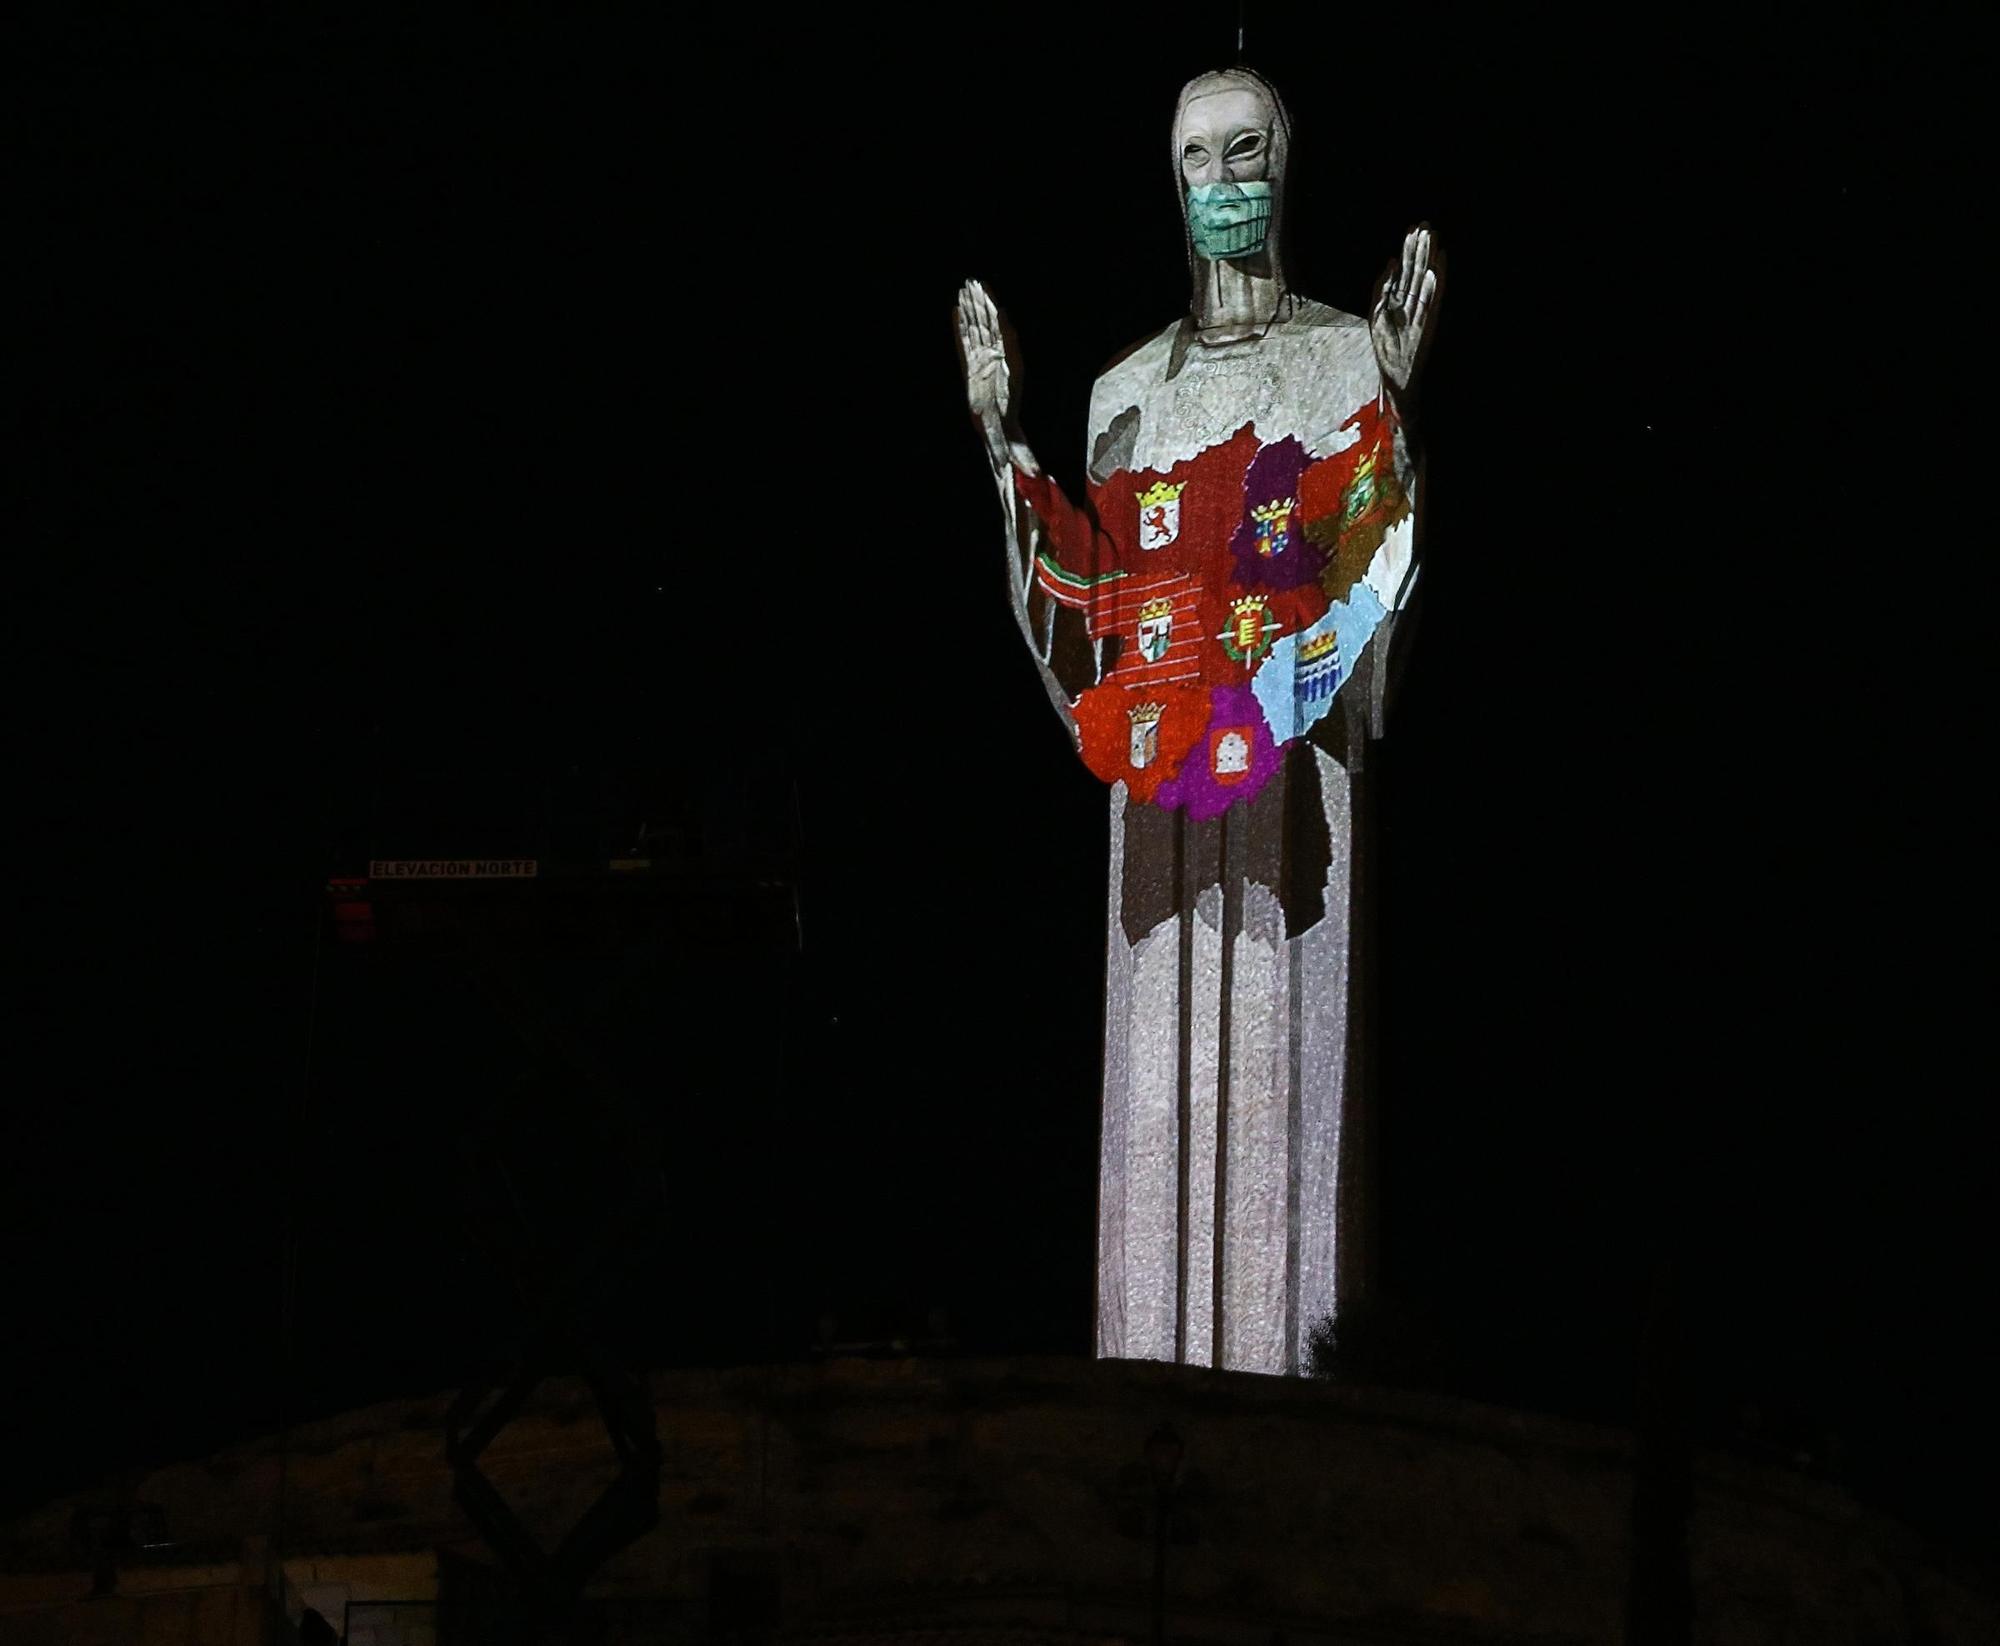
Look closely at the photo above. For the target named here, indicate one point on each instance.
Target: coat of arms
(1145, 735)
(1248, 635)
(1159, 514)
(1360, 496)
(1156, 627)
(1274, 522)
(1318, 668)
(1229, 754)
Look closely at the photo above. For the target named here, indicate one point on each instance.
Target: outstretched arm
(1399, 324)
(987, 350)
(1038, 517)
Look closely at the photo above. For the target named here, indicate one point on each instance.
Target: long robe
(1213, 625)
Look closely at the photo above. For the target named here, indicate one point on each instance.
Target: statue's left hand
(1402, 307)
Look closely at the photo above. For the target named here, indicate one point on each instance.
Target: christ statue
(1214, 625)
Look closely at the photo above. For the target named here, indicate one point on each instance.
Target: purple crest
(1231, 761)
(1273, 477)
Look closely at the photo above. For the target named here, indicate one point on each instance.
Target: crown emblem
(1155, 609)
(1146, 714)
(1265, 513)
(1248, 633)
(1320, 646)
(1160, 492)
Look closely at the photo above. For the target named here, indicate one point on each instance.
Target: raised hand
(989, 372)
(1402, 306)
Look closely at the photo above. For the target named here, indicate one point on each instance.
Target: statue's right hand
(982, 348)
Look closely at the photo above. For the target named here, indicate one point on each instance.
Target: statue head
(1231, 139)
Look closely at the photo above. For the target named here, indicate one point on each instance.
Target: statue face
(1224, 141)
(1225, 137)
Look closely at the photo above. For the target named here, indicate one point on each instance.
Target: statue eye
(1194, 154)
(1251, 142)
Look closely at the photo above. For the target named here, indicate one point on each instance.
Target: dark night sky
(577, 396)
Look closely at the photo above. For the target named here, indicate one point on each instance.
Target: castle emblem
(1229, 754)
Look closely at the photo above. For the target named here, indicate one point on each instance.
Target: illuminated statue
(1214, 627)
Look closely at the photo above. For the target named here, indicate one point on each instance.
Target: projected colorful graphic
(1194, 577)
(1216, 625)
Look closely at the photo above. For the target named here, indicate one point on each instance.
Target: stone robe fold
(1216, 621)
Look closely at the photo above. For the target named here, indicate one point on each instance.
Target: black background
(574, 396)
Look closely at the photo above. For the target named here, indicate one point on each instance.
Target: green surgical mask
(1229, 219)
